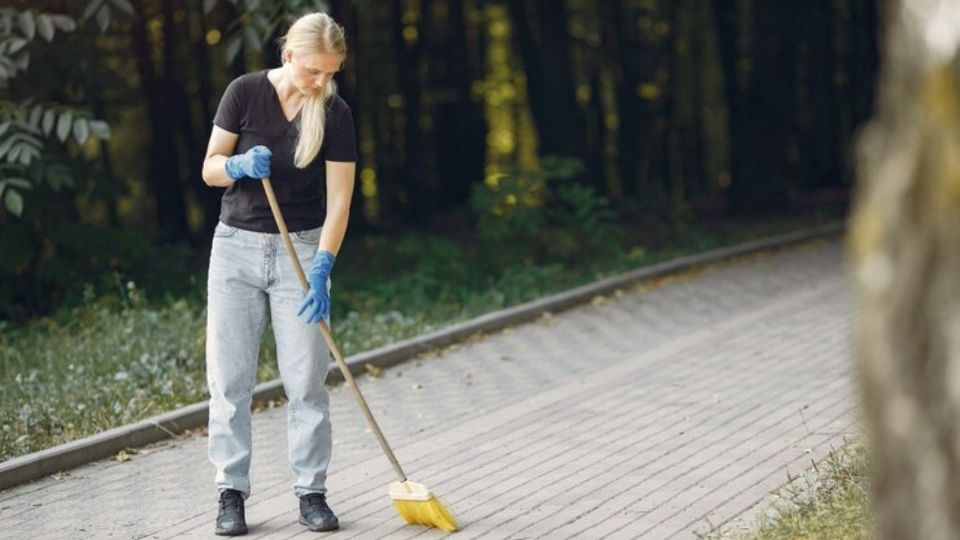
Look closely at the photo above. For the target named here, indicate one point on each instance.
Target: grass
(828, 502)
(117, 358)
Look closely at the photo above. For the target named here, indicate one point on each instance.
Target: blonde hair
(315, 33)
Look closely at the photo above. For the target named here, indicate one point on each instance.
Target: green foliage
(97, 365)
(79, 258)
(101, 11)
(828, 501)
(17, 29)
(27, 128)
(259, 21)
(123, 352)
(544, 214)
(584, 222)
(116, 357)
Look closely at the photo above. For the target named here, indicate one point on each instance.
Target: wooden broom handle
(325, 330)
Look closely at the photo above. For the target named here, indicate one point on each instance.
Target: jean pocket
(309, 237)
(223, 230)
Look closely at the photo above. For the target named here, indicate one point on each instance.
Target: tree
(459, 124)
(544, 44)
(408, 45)
(34, 134)
(654, 81)
(819, 112)
(903, 246)
(624, 79)
(163, 155)
(47, 155)
(760, 104)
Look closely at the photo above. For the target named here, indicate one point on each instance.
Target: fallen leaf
(196, 432)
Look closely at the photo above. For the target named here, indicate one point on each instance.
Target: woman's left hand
(316, 304)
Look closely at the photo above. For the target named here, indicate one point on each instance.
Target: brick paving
(656, 413)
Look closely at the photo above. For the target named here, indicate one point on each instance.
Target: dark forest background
(497, 120)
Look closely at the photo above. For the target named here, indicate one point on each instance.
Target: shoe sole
(333, 527)
(237, 532)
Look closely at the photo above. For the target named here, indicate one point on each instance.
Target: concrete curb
(39, 464)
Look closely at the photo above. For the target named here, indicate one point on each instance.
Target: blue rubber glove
(317, 302)
(254, 163)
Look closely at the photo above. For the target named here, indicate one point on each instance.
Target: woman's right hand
(254, 163)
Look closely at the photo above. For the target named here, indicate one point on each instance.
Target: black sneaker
(230, 518)
(316, 515)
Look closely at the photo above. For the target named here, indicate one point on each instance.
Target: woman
(287, 124)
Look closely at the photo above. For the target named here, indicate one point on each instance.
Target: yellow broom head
(417, 505)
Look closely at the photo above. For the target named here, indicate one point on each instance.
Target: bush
(66, 263)
(97, 365)
(116, 357)
(543, 216)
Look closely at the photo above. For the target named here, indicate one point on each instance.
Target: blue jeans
(251, 273)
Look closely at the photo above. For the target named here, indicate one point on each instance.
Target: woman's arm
(340, 179)
(221, 146)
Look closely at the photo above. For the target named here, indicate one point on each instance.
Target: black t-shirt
(250, 108)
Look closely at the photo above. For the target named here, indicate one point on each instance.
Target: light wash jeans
(251, 273)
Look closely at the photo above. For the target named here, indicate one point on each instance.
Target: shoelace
(231, 500)
(316, 498)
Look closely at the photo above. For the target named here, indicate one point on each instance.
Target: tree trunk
(675, 170)
(864, 22)
(903, 250)
(543, 41)
(460, 126)
(209, 198)
(379, 59)
(596, 131)
(819, 113)
(653, 78)
(420, 194)
(760, 182)
(860, 63)
(694, 145)
(625, 65)
(348, 81)
(162, 173)
(725, 16)
(177, 103)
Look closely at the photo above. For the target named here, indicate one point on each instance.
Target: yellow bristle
(431, 513)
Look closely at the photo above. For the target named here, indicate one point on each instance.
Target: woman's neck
(286, 90)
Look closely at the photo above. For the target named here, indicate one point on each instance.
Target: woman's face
(312, 72)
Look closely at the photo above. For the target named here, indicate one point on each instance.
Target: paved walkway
(650, 414)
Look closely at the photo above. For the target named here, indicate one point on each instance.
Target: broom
(414, 502)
